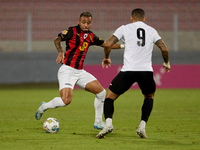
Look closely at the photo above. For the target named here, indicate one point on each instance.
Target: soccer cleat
(99, 126)
(39, 112)
(141, 132)
(106, 130)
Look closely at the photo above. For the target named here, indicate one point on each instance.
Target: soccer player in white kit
(138, 39)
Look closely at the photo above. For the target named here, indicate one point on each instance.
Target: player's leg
(148, 88)
(96, 88)
(118, 86)
(88, 82)
(108, 113)
(146, 111)
(147, 106)
(67, 79)
(64, 99)
(109, 106)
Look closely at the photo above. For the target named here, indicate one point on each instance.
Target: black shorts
(124, 80)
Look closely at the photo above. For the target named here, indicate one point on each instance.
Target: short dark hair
(86, 14)
(138, 13)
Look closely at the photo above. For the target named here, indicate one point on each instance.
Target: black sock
(108, 108)
(146, 109)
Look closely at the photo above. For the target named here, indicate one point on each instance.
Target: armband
(122, 46)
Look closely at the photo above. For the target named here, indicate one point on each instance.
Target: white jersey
(139, 39)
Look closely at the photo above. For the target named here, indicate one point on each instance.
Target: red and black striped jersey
(77, 44)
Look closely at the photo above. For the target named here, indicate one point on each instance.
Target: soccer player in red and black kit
(78, 39)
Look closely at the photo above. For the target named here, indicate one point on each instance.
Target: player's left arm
(165, 54)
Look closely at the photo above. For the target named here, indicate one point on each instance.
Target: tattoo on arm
(109, 44)
(165, 54)
(112, 40)
(160, 43)
(57, 43)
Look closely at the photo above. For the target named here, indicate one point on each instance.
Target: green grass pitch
(174, 123)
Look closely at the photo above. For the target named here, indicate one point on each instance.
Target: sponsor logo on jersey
(85, 45)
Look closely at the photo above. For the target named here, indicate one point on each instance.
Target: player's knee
(66, 100)
(101, 95)
(149, 96)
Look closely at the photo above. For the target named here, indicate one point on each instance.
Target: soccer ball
(51, 125)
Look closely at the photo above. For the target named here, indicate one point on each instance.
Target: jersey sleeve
(156, 36)
(66, 34)
(97, 41)
(119, 32)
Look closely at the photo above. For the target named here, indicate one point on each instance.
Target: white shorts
(68, 77)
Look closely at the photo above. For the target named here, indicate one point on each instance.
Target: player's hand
(106, 63)
(60, 58)
(166, 66)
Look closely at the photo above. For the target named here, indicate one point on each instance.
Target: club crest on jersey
(85, 36)
(64, 32)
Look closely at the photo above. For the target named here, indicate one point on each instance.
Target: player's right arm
(107, 48)
(63, 36)
(60, 57)
(108, 45)
(165, 54)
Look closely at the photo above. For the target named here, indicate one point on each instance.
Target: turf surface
(173, 124)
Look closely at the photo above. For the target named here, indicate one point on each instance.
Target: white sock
(109, 122)
(54, 103)
(142, 124)
(98, 105)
